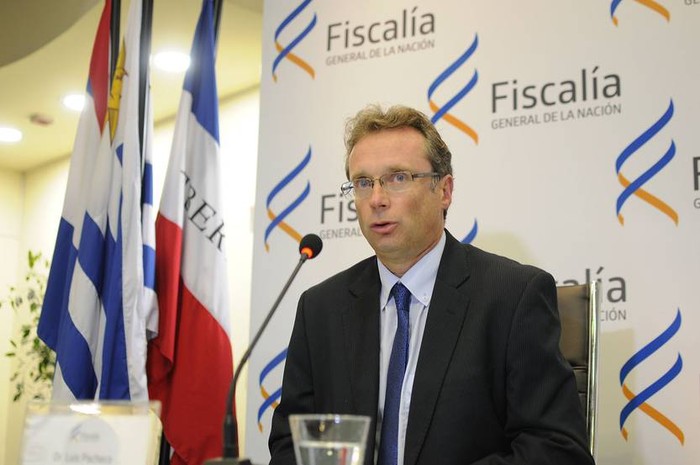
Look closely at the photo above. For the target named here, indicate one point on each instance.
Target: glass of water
(327, 439)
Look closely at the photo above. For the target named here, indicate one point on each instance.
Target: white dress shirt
(419, 280)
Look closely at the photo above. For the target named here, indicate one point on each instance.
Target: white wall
(11, 186)
(31, 209)
(40, 207)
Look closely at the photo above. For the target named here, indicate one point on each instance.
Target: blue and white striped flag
(96, 307)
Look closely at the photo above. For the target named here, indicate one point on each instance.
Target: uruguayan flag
(96, 308)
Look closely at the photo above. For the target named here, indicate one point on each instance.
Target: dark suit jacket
(491, 386)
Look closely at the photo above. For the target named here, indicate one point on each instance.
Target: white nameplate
(91, 434)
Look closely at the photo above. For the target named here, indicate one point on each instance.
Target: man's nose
(378, 197)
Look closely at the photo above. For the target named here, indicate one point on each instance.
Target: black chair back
(578, 311)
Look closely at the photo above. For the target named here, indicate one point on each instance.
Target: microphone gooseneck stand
(309, 247)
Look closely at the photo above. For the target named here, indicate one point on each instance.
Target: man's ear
(446, 185)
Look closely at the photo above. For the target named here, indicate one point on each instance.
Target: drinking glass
(327, 439)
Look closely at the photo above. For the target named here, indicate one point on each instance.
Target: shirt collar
(419, 279)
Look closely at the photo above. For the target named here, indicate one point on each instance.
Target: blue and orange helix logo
(285, 51)
(656, 7)
(443, 111)
(640, 401)
(471, 235)
(635, 187)
(277, 220)
(270, 397)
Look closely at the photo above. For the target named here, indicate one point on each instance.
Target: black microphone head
(310, 245)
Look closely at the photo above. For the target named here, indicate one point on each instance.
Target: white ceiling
(45, 52)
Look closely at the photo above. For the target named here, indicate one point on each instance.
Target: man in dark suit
(459, 362)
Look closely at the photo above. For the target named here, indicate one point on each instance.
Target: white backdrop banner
(574, 133)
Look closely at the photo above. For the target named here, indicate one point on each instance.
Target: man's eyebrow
(391, 169)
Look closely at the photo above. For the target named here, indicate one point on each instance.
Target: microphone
(309, 247)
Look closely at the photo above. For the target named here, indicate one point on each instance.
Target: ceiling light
(74, 102)
(171, 61)
(8, 134)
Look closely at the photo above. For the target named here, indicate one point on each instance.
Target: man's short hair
(373, 119)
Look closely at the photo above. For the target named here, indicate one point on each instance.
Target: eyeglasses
(392, 182)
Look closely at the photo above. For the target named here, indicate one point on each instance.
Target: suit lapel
(448, 307)
(361, 333)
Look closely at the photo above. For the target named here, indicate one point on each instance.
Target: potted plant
(34, 361)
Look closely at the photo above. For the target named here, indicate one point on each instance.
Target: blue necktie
(388, 446)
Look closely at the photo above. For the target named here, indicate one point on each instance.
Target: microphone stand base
(228, 461)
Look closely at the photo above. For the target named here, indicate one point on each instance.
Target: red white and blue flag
(190, 363)
(98, 302)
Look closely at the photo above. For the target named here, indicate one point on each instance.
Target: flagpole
(144, 69)
(115, 21)
(217, 20)
(145, 40)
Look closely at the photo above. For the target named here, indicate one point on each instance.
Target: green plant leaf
(35, 362)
